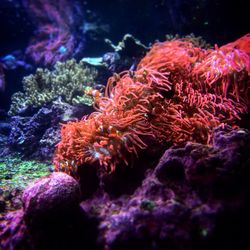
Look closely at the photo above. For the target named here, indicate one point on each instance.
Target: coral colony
(178, 92)
(69, 80)
(56, 38)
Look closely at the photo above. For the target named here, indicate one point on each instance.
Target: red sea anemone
(178, 92)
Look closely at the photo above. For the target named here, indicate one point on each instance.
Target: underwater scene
(124, 125)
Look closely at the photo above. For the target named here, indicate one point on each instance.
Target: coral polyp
(179, 92)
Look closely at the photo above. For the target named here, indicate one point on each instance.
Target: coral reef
(179, 92)
(196, 197)
(68, 80)
(58, 35)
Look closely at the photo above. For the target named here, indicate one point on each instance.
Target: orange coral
(179, 92)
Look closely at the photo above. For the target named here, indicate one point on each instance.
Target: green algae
(18, 173)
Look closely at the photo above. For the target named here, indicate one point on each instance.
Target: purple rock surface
(50, 197)
(13, 231)
(196, 198)
(51, 217)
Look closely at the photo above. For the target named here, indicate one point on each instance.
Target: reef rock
(13, 232)
(195, 198)
(49, 198)
(126, 54)
(50, 219)
(38, 134)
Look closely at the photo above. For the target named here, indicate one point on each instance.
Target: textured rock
(13, 232)
(5, 128)
(51, 218)
(38, 134)
(197, 197)
(211, 169)
(126, 55)
(49, 198)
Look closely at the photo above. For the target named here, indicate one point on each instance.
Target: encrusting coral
(178, 92)
(68, 79)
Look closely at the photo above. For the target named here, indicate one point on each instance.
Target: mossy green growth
(67, 80)
(17, 173)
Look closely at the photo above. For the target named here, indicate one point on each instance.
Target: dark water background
(218, 22)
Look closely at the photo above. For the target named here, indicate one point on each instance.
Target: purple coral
(55, 38)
